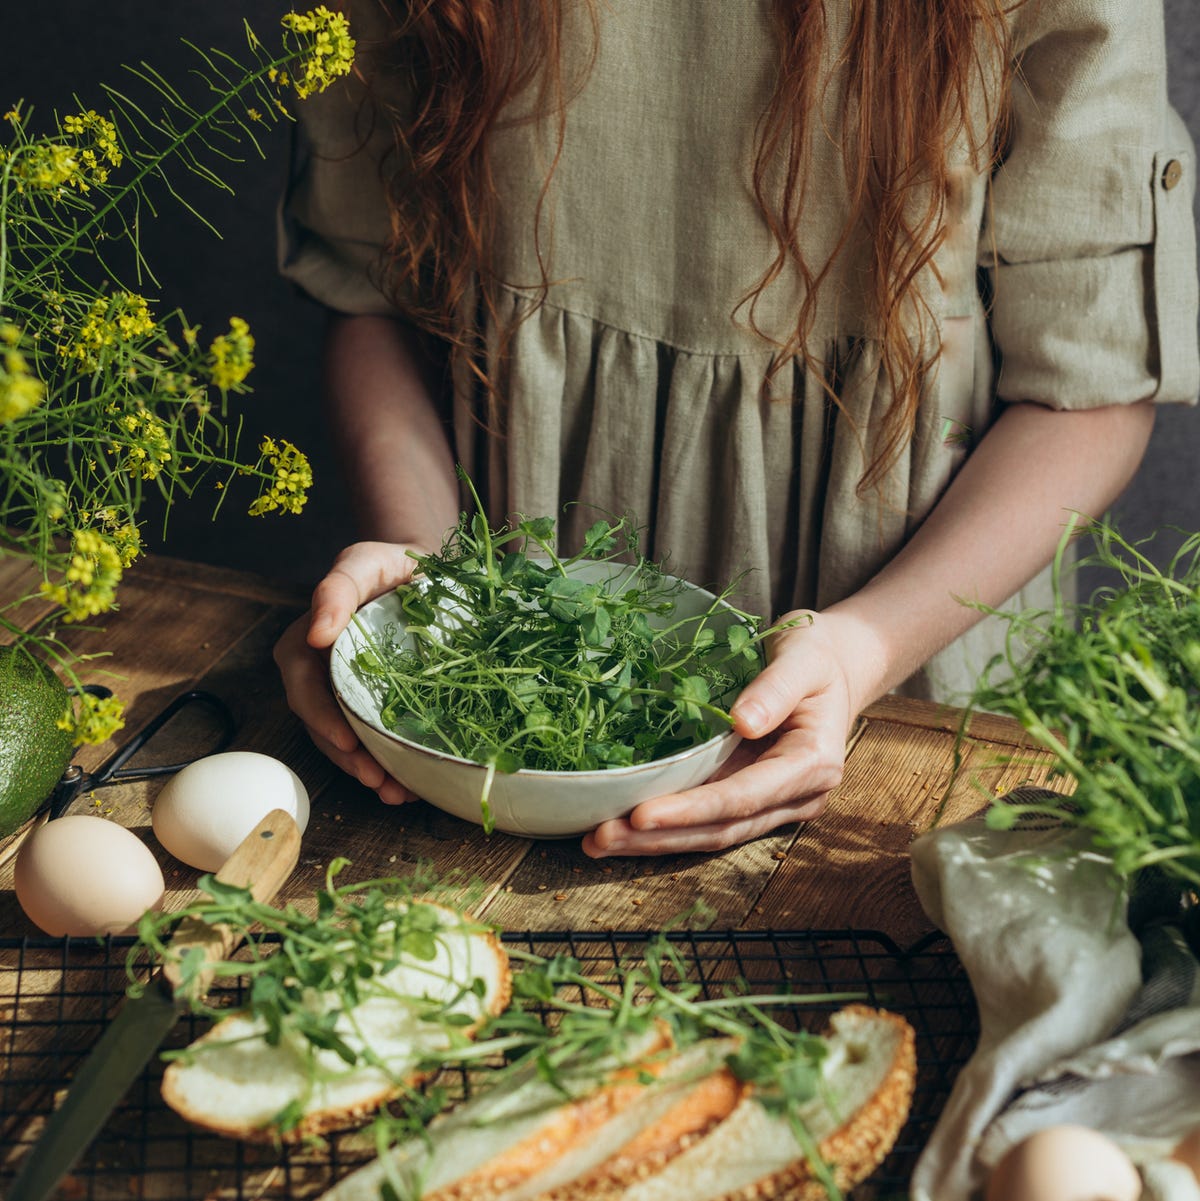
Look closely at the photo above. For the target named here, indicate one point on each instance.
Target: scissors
(75, 780)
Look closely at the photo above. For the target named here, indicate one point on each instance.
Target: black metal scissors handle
(75, 780)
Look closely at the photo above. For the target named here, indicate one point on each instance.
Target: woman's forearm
(997, 525)
(390, 432)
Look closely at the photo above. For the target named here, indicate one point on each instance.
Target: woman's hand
(359, 574)
(795, 717)
(996, 525)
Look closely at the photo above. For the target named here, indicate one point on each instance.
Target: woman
(863, 296)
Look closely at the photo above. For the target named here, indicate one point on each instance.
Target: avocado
(34, 752)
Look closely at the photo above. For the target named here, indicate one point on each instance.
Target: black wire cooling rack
(56, 997)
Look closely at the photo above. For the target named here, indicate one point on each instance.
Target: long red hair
(914, 72)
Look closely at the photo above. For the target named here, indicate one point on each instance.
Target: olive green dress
(635, 388)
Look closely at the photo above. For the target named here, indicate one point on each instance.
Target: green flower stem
(5, 180)
(152, 164)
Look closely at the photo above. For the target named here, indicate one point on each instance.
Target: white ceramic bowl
(536, 804)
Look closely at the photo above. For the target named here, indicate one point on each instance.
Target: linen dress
(635, 389)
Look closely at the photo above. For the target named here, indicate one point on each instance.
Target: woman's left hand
(795, 717)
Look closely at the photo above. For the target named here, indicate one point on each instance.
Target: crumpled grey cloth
(1080, 1022)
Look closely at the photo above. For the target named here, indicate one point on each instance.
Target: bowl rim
(607, 773)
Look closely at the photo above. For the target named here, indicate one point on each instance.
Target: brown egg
(85, 876)
(1065, 1163)
(1187, 1152)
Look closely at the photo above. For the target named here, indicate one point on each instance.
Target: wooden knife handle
(262, 862)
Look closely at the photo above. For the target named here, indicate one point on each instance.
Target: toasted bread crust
(344, 1117)
(576, 1121)
(655, 1147)
(862, 1143)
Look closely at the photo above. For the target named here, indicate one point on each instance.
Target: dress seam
(655, 340)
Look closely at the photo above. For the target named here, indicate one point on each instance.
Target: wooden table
(184, 626)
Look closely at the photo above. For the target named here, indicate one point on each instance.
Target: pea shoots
(1112, 689)
(561, 1017)
(512, 658)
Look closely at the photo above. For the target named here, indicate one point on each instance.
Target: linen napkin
(1079, 1021)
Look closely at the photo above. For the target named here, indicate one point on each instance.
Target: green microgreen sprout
(307, 975)
(560, 1022)
(514, 657)
(1111, 688)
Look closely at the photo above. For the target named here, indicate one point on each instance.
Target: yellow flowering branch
(101, 394)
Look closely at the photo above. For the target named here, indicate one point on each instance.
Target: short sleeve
(1090, 242)
(333, 219)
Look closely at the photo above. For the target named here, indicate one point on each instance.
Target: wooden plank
(227, 622)
(179, 573)
(909, 711)
(557, 887)
(850, 867)
(17, 575)
(389, 840)
(18, 580)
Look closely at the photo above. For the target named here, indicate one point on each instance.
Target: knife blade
(261, 863)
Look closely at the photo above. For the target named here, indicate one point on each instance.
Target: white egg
(1065, 1163)
(85, 876)
(205, 810)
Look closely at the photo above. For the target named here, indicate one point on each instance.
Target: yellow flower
(80, 159)
(324, 50)
(288, 490)
(96, 146)
(20, 389)
(13, 116)
(97, 139)
(123, 534)
(47, 167)
(112, 321)
(231, 355)
(89, 584)
(53, 499)
(93, 719)
(144, 444)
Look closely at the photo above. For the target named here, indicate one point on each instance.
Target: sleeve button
(1172, 174)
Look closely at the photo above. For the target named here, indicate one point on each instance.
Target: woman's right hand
(360, 573)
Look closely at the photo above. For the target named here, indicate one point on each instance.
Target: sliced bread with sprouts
(868, 1076)
(247, 1081)
(679, 1126)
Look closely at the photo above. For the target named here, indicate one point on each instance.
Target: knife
(261, 863)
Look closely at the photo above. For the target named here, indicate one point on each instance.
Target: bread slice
(870, 1071)
(501, 1139)
(693, 1110)
(235, 1083)
(690, 1093)
(678, 1128)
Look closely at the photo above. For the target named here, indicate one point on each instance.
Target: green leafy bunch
(509, 659)
(103, 396)
(1112, 689)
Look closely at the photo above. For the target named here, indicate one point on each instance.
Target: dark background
(59, 48)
